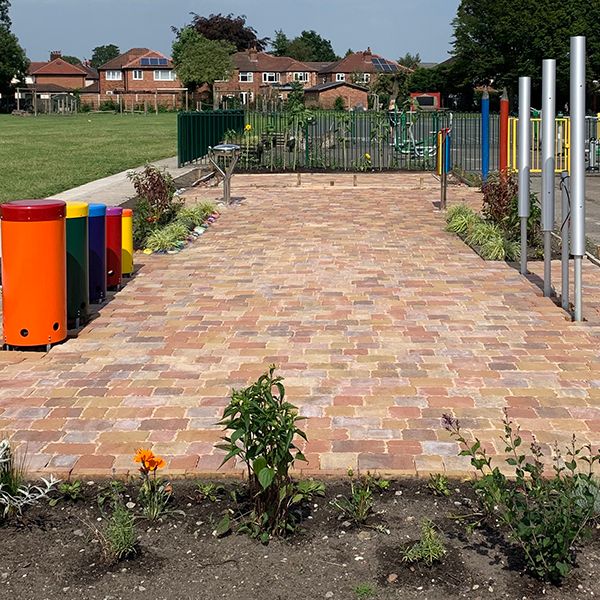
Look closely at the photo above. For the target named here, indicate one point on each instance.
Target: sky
(390, 27)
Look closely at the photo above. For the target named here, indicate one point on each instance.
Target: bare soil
(51, 554)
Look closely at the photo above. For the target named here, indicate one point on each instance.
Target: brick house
(359, 68)
(258, 75)
(138, 78)
(324, 95)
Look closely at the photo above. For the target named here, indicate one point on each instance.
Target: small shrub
(482, 232)
(194, 216)
(157, 187)
(71, 491)
(429, 549)
(461, 219)
(120, 539)
(545, 516)
(438, 484)
(364, 590)
(155, 493)
(339, 103)
(108, 105)
(358, 507)
(208, 491)
(15, 493)
(110, 493)
(498, 247)
(167, 238)
(262, 428)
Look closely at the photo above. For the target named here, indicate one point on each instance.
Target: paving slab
(378, 319)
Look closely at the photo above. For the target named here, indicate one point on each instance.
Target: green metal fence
(196, 131)
(337, 141)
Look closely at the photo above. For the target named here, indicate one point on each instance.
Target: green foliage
(109, 494)
(499, 40)
(483, 232)
(72, 60)
(15, 493)
(295, 98)
(194, 216)
(13, 61)
(280, 44)
(71, 491)
(546, 516)
(102, 54)
(263, 427)
(208, 491)
(108, 105)
(199, 60)
(411, 61)
(230, 28)
(358, 507)
(339, 103)
(429, 549)
(308, 46)
(438, 484)
(170, 237)
(120, 539)
(365, 590)
(461, 219)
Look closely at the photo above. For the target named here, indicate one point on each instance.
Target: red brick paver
(379, 320)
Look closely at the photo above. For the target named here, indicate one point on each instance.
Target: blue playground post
(447, 147)
(485, 135)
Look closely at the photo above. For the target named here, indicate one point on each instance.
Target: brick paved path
(379, 320)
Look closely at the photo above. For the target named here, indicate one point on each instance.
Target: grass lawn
(41, 156)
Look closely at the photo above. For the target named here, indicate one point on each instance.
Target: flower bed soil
(50, 554)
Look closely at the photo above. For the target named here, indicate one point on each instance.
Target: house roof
(321, 87)
(319, 66)
(51, 88)
(254, 61)
(34, 66)
(132, 59)
(364, 62)
(91, 72)
(58, 66)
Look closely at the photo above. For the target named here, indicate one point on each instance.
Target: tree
(73, 60)
(13, 61)
(102, 54)
(199, 60)
(310, 46)
(281, 44)
(412, 61)
(229, 29)
(348, 52)
(497, 41)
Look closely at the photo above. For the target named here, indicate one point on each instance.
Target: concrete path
(379, 320)
(117, 189)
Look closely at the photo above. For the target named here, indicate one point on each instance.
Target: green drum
(77, 264)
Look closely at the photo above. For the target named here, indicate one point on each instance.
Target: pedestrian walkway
(379, 320)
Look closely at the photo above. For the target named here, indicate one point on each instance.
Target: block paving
(378, 319)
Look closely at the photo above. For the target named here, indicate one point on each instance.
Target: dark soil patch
(51, 554)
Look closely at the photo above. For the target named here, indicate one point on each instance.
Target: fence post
(504, 110)
(577, 104)
(485, 135)
(524, 148)
(548, 148)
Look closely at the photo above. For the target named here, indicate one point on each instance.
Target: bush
(461, 218)
(167, 238)
(545, 516)
(157, 187)
(429, 549)
(194, 216)
(339, 103)
(120, 541)
(108, 105)
(262, 426)
(359, 506)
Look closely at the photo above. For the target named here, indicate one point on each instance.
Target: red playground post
(504, 109)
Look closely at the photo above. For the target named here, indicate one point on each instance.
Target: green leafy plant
(438, 484)
(358, 507)
(364, 590)
(110, 493)
(120, 535)
(429, 549)
(263, 426)
(71, 491)
(167, 238)
(339, 103)
(15, 493)
(157, 187)
(482, 233)
(545, 516)
(208, 491)
(460, 219)
(194, 216)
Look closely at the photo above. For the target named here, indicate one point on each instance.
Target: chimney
(368, 55)
(252, 54)
(55, 54)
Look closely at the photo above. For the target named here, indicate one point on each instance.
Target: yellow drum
(127, 242)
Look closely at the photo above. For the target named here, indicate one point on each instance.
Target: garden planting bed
(50, 553)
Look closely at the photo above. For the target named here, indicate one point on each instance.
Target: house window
(301, 77)
(246, 76)
(138, 75)
(340, 76)
(363, 77)
(270, 77)
(246, 97)
(114, 75)
(164, 75)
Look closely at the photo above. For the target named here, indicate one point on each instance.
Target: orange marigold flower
(156, 462)
(143, 456)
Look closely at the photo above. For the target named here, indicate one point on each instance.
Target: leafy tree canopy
(71, 59)
(199, 60)
(412, 61)
(5, 21)
(13, 61)
(496, 41)
(308, 46)
(102, 54)
(280, 44)
(230, 29)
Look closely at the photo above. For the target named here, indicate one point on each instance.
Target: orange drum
(34, 273)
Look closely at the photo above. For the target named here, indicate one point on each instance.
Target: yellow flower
(367, 156)
(248, 127)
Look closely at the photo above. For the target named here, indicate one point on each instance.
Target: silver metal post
(578, 165)
(564, 234)
(548, 143)
(524, 160)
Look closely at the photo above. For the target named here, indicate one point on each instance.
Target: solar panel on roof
(162, 61)
(145, 62)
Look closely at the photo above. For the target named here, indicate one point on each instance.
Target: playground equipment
(77, 263)
(224, 157)
(114, 240)
(403, 135)
(34, 279)
(127, 243)
(97, 252)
